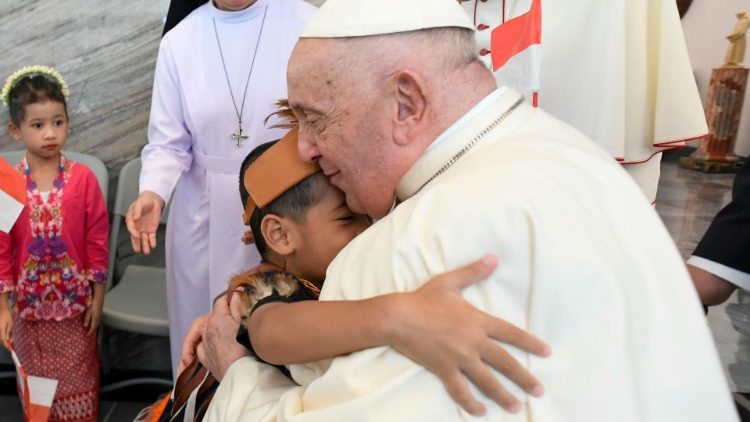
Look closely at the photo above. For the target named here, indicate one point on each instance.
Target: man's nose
(307, 147)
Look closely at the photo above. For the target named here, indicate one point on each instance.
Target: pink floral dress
(57, 248)
(48, 262)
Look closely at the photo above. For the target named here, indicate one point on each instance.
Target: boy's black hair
(293, 203)
(30, 90)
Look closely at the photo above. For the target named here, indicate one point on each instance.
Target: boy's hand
(247, 237)
(439, 330)
(93, 316)
(6, 326)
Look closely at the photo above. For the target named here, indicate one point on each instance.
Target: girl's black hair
(30, 90)
(293, 203)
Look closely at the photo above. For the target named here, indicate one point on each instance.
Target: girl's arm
(96, 226)
(6, 285)
(6, 262)
(6, 319)
(96, 229)
(93, 315)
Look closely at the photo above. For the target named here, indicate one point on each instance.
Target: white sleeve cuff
(736, 277)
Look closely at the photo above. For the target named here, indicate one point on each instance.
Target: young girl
(53, 263)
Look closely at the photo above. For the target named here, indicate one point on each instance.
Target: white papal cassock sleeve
(250, 391)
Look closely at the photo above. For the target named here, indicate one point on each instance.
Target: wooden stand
(726, 94)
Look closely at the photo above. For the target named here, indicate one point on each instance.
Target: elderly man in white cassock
(404, 118)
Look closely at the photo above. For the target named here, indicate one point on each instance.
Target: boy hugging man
(299, 222)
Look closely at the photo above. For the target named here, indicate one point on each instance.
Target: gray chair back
(93, 163)
(128, 189)
(127, 192)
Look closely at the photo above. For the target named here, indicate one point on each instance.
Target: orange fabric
(516, 35)
(157, 409)
(276, 171)
(11, 182)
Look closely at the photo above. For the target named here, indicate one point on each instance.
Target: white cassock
(618, 71)
(190, 150)
(585, 264)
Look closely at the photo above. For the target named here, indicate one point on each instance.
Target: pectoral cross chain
(239, 136)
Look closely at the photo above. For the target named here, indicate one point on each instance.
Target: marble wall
(105, 50)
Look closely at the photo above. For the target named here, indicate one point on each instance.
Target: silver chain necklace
(471, 144)
(239, 136)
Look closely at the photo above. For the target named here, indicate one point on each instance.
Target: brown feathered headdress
(279, 168)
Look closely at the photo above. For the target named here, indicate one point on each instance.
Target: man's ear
(14, 131)
(275, 231)
(412, 104)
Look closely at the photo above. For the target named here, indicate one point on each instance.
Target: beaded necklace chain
(45, 216)
(470, 144)
(56, 184)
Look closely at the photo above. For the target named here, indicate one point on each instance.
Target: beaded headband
(30, 72)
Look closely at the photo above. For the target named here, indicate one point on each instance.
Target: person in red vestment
(53, 262)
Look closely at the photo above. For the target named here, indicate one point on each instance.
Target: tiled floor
(123, 411)
(687, 202)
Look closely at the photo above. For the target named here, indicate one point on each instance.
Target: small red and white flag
(12, 195)
(36, 393)
(516, 50)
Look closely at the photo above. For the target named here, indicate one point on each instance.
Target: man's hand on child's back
(441, 331)
(192, 339)
(219, 348)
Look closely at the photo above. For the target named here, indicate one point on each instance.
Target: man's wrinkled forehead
(311, 56)
(311, 75)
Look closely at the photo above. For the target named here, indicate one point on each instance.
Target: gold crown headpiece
(29, 72)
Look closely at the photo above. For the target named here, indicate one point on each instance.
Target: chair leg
(103, 351)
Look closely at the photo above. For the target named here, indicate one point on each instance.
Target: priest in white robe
(216, 68)
(585, 262)
(618, 71)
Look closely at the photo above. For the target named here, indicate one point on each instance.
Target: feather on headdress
(285, 114)
(279, 168)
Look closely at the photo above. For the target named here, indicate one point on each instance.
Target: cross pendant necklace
(239, 135)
